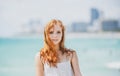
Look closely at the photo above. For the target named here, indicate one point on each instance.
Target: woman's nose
(55, 35)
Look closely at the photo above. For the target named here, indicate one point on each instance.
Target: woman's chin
(55, 43)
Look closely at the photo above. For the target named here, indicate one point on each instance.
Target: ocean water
(17, 55)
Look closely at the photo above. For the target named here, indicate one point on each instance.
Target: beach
(98, 54)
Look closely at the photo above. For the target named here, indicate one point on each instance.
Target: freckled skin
(55, 34)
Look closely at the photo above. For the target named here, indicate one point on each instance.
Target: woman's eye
(51, 32)
(58, 32)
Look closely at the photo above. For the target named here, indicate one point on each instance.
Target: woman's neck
(57, 47)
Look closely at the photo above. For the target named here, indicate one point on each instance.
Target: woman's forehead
(56, 27)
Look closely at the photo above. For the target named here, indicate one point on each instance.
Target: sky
(15, 13)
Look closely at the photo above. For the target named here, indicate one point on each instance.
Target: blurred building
(119, 23)
(94, 15)
(93, 26)
(34, 26)
(110, 25)
(79, 27)
(95, 22)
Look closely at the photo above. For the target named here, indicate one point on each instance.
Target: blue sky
(15, 13)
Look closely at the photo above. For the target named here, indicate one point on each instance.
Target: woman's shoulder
(69, 50)
(72, 52)
(37, 55)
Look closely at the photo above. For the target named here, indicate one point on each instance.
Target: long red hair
(48, 54)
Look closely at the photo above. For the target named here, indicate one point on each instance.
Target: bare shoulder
(75, 63)
(39, 65)
(38, 60)
(72, 54)
(72, 51)
(37, 57)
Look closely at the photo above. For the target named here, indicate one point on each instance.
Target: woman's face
(55, 34)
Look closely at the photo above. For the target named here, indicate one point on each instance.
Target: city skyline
(15, 13)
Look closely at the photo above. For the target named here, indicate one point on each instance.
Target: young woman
(54, 59)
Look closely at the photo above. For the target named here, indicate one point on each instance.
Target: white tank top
(63, 69)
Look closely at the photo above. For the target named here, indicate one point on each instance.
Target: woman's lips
(55, 39)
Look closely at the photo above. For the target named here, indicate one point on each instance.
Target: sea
(97, 56)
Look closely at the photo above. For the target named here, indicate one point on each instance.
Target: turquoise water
(17, 55)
